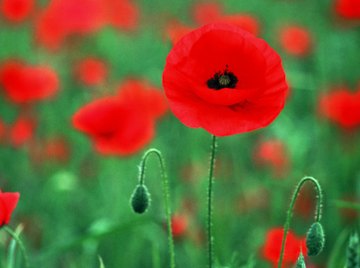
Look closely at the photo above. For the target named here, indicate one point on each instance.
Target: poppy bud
(315, 239)
(353, 258)
(300, 261)
(140, 199)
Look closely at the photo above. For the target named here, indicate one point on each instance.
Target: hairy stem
(210, 205)
(290, 210)
(166, 193)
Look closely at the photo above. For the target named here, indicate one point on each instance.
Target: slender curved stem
(210, 205)
(16, 237)
(290, 210)
(166, 196)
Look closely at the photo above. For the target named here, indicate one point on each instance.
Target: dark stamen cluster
(221, 80)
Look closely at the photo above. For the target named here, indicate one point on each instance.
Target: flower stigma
(221, 80)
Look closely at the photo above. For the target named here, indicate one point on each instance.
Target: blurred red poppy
(57, 148)
(147, 96)
(63, 18)
(26, 84)
(91, 71)
(123, 124)
(51, 149)
(22, 131)
(204, 13)
(293, 246)
(243, 21)
(16, 10)
(179, 225)
(8, 202)
(239, 88)
(348, 9)
(122, 14)
(175, 30)
(272, 153)
(295, 40)
(341, 106)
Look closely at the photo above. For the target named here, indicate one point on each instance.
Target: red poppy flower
(22, 131)
(16, 10)
(91, 71)
(146, 95)
(348, 9)
(243, 21)
(62, 18)
(176, 30)
(8, 202)
(273, 153)
(204, 13)
(57, 149)
(293, 246)
(224, 80)
(341, 106)
(179, 225)
(122, 14)
(295, 40)
(122, 124)
(25, 84)
(53, 149)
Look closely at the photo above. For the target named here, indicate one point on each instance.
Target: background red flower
(16, 10)
(272, 247)
(251, 94)
(147, 96)
(204, 13)
(295, 40)
(64, 18)
(8, 202)
(125, 123)
(272, 153)
(341, 106)
(91, 71)
(28, 83)
(179, 225)
(348, 9)
(21, 131)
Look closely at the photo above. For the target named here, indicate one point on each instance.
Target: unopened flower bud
(353, 258)
(300, 261)
(140, 199)
(315, 239)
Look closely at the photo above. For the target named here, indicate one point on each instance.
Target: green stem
(210, 205)
(166, 196)
(15, 236)
(290, 210)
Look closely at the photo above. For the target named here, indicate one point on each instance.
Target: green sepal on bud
(300, 261)
(140, 199)
(353, 257)
(315, 239)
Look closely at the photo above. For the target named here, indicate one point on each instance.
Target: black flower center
(221, 80)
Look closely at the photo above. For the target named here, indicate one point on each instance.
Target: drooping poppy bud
(140, 199)
(315, 239)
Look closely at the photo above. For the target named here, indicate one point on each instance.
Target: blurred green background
(74, 204)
